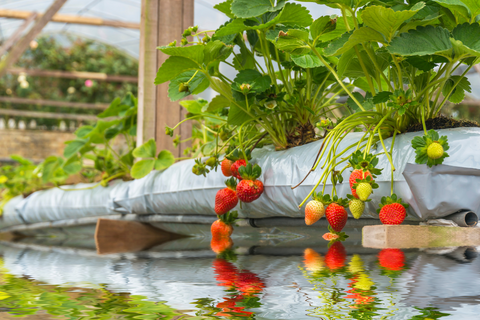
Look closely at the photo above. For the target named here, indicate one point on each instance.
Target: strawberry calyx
(327, 200)
(351, 197)
(250, 172)
(366, 163)
(231, 183)
(228, 218)
(428, 146)
(228, 255)
(390, 200)
(368, 180)
(237, 154)
(341, 236)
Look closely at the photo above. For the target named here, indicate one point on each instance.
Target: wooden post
(162, 22)
(23, 44)
(17, 34)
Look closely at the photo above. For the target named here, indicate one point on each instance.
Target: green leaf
(294, 42)
(237, 116)
(340, 29)
(322, 25)
(141, 168)
(458, 94)
(349, 40)
(422, 41)
(194, 106)
(221, 87)
(128, 159)
(219, 102)
(421, 63)
(469, 37)
(225, 7)
(386, 20)
(294, 15)
(473, 6)
(20, 159)
(83, 131)
(164, 160)
(49, 166)
(458, 8)
(146, 150)
(172, 67)
(73, 167)
(194, 53)
(382, 97)
(216, 51)
(113, 109)
(260, 83)
(233, 27)
(309, 60)
(73, 147)
(111, 133)
(197, 83)
(250, 9)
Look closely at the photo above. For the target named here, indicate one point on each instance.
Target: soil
(302, 134)
(442, 122)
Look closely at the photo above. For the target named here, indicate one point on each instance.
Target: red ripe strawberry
(225, 273)
(392, 211)
(330, 236)
(249, 283)
(249, 189)
(336, 256)
(226, 167)
(336, 215)
(220, 244)
(226, 199)
(392, 259)
(220, 229)
(357, 174)
(235, 166)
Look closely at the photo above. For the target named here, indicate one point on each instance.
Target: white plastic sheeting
(438, 191)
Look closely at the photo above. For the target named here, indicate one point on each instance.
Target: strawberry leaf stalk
(430, 148)
(364, 187)
(315, 209)
(226, 199)
(363, 167)
(392, 210)
(336, 214)
(249, 188)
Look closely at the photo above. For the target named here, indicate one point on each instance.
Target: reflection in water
(264, 279)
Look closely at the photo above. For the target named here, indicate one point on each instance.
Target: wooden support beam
(162, 22)
(17, 34)
(53, 103)
(64, 18)
(47, 115)
(73, 75)
(22, 45)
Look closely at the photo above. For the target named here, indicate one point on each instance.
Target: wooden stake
(17, 34)
(117, 236)
(54, 103)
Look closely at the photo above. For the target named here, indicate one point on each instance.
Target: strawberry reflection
(392, 261)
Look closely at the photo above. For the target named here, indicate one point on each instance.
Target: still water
(264, 279)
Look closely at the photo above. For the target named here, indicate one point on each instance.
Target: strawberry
(313, 212)
(226, 167)
(249, 283)
(435, 150)
(336, 256)
(363, 167)
(356, 207)
(313, 261)
(336, 214)
(249, 189)
(220, 244)
(364, 187)
(392, 211)
(226, 199)
(330, 236)
(392, 259)
(222, 228)
(236, 166)
(225, 272)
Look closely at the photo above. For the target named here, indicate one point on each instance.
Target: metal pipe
(464, 218)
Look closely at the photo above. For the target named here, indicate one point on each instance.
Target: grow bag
(431, 192)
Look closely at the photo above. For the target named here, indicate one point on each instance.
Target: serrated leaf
(225, 7)
(352, 103)
(458, 8)
(146, 150)
(73, 167)
(386, 20)
(172, 67)
(294, 42)
(141, 168)
(422, 41)
(194, 53)
(473, 6)
(197, 83)
(49, 166)
(382, 97)
(236, 116)
(295, 15)
(469, 36)
(216, 51)
(458, 93)
(83, 131)
(194, 106)
(113, 109)
(322, 25)
(351, 39)
(421, 63)
(250, 9)
(164, 160)
(260, 83)
(219, 102)
(309, 60)
(73, 147)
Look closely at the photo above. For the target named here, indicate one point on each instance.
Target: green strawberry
(356, 207)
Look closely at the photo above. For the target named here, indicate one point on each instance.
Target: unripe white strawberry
(356, 208)
(364, 190)
(314, 211)
(435, 150)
